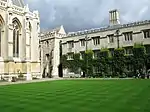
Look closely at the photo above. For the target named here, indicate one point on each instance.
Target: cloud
(80, 14)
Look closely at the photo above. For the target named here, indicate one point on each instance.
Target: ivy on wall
(102, 63)
(139, 55)
(118, 65)
(119, 62)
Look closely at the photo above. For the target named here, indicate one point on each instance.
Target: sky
(77, 15)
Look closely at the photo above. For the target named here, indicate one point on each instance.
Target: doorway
(60, 70)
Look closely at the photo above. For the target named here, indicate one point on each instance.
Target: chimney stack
(114, 17)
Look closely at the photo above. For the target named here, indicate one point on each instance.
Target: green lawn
(77, 96)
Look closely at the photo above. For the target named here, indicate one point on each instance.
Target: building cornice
(107, 28)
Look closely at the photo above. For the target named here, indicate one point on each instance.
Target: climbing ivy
(88, 63)
(139, 54)
(119, 62)
(118, 65)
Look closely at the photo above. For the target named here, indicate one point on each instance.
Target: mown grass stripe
(77, 96)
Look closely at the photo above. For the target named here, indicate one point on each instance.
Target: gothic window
(147, 47)
(96, 40)
(146, 33)
(70, 44)
(82, 42)
(128, 36)
(0, 36)
(30, 28)
(30, 48)
(1, 26)
(111, 38)
(16, 30)
(47, 44)
(111, 52)
(82, 55)
(70, 56)
(96, 54)
(38, 26)
(129, 51)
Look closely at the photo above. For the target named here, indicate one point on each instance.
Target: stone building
(19, 43)
(112, 36)
(50, 52)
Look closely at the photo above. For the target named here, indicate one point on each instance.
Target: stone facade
(50, 51)
(129, 34)
(19, 33)
(113, 36)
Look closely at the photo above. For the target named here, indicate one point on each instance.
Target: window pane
(14, 33)
(128, 36)
(17, 45)
(0, 39)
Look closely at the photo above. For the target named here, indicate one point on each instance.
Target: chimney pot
(114, 17)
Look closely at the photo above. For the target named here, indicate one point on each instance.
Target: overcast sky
(84, 14)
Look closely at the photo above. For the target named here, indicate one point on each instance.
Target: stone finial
(26, 8)
(36, 13)
(9, 3)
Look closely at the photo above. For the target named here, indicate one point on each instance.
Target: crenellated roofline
(107, 28)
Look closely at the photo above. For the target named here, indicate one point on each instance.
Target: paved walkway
(33, 81)
(98, 78)
(54, 79)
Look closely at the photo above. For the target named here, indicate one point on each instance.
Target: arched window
(1, 27)
(47, 44)
(0, 36)
(16, 30)
(30, 28)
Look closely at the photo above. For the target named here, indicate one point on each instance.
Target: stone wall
(28, 60)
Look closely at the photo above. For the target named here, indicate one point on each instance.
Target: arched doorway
(60, 70)
(60, 67)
